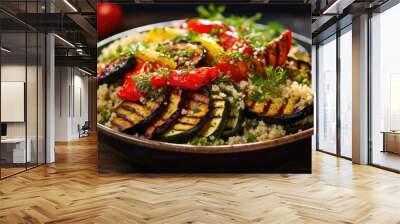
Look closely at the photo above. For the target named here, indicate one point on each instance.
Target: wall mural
(204, 88)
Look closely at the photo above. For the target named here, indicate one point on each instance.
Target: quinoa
(259, 132)
(121, 45)
(301, 91)
(107, 102)
(229, 91)
(254, 131)
(236, 140)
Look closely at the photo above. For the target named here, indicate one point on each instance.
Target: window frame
(381, 9)
(338, 33)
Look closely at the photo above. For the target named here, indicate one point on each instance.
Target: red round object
(194, 79)
(158, 81)
(109, 19)
(203, 26)
(231, 70)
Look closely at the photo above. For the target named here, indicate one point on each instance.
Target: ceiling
(330, 15)
(72, 20)
(77, 24)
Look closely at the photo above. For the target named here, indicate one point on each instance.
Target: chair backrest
(86, 125)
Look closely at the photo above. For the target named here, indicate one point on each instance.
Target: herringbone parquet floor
(71, 191)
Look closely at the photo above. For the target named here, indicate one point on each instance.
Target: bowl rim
(218, 149)
(144, 28)
(187, 148)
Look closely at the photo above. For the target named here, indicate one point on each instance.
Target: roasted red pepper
(242, 47)
(158, 81)
(232, 71)
(129, 90)
(203, 26)
(227, 39)
(227, 35)
(194, 79)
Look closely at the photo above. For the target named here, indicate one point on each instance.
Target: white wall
(80, 109)
(33, 127)
(12, 73)
(71, 102)
(61, 103)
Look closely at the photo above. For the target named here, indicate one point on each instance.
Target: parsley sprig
(143, 80)
(236, 55)
(268, 84)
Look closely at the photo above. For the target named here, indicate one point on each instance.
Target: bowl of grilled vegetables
(205, 85)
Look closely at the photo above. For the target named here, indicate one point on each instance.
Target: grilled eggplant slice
(131, 117)
(303, 124)
(114, 70)
(278, 110)
(220, 115)
(299, 65)
(169, 117)
(185, 54)
(299, 70)
(194, 115)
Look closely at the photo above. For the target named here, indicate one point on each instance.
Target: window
(326, 101)
(346, 92)
(385, 88)
(22, 75)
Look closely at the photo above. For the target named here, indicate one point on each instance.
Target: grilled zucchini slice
(235, 122)
(194, 115)
(114, 70)
(220, 115)
(278, 110)
(236, 117)
(168, 117)
(131, 117)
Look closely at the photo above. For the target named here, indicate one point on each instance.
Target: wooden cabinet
(391, 141)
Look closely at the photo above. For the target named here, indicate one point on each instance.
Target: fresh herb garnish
(211, 12)
(267, 85)
(185, 37)
(250, 137)
(196, 109)
(143, 83)
(257, 96)
(143, 80)
(257, 35)
(154, 94)
(135, 47)
(119, 49)
(236, 55)
(104, 115)
(214, 32)
(162, 49)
